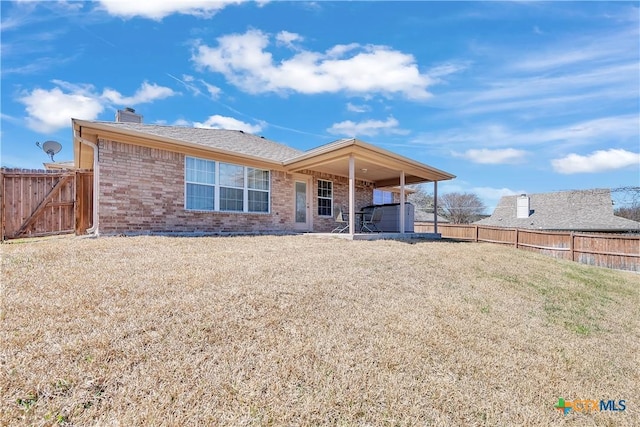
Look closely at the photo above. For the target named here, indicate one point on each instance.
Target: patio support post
(352, 195)
(402, 201)
(435, 207)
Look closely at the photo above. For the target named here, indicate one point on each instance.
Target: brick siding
(142, 191)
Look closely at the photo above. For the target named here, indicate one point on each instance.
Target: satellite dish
(50, 147)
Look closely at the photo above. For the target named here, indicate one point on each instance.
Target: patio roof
(372, 163)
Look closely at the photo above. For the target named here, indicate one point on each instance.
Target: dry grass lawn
(303, 331)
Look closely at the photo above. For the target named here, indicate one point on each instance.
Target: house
(58, 166)
(171, 179)
(427, 217)
(578, 210)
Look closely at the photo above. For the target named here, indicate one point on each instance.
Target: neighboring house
(65, 165)
(579, 210)
(425, 216)
(151, 178)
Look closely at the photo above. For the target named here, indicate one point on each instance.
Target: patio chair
(369, 221)
(342, 221)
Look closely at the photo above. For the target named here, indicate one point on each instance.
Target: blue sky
(511, 97)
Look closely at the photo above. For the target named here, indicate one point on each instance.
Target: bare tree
(421, 198)
(461, 208)
(628, 199)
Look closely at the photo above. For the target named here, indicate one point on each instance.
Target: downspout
(96, 180)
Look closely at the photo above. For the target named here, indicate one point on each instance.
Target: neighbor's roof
(580, 210)
(234, 141)
(421, 215)
(66, 164)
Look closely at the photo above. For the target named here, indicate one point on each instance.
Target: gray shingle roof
(579, 210)
(421, 215)
(234, 141)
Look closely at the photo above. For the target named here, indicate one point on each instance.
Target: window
(325, 198)
(381, 197)
(258, 189)
(200, 184)
(217, 186)
(231, 187)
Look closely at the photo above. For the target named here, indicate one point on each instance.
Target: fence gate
(42, 203)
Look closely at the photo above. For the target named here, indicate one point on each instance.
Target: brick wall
(142, 190)
(364, 197)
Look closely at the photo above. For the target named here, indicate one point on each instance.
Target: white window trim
(325, 198)
(233, 187)
(214, 185)
(216, 189)
(246, 193)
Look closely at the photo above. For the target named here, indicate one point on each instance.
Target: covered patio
(357, 160)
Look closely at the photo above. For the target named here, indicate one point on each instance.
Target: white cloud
(146, 93)
(570, 76)
(187, 82)
(222, 122)
(341, 49)
(158, 9)
(191, 84)
(578, 51)
(493, 157)
(601, 130)
(598, 161)
(287, 39)
(37, 65)
(181, 122)
(245, 62)
(21, 14)
(51, 110)
(69, 6)
(358, 108)
(439, 72)
(551, 92)
(214, 91)
(367, 128)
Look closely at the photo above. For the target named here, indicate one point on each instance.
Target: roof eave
(350, 146)
(163, 139)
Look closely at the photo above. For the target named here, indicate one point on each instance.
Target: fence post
(476, 226)
(517, 236)
(571, 253)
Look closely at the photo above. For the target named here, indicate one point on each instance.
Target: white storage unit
(390, 221)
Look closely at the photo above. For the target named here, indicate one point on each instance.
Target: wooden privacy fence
(619, 251)
(41, 203)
